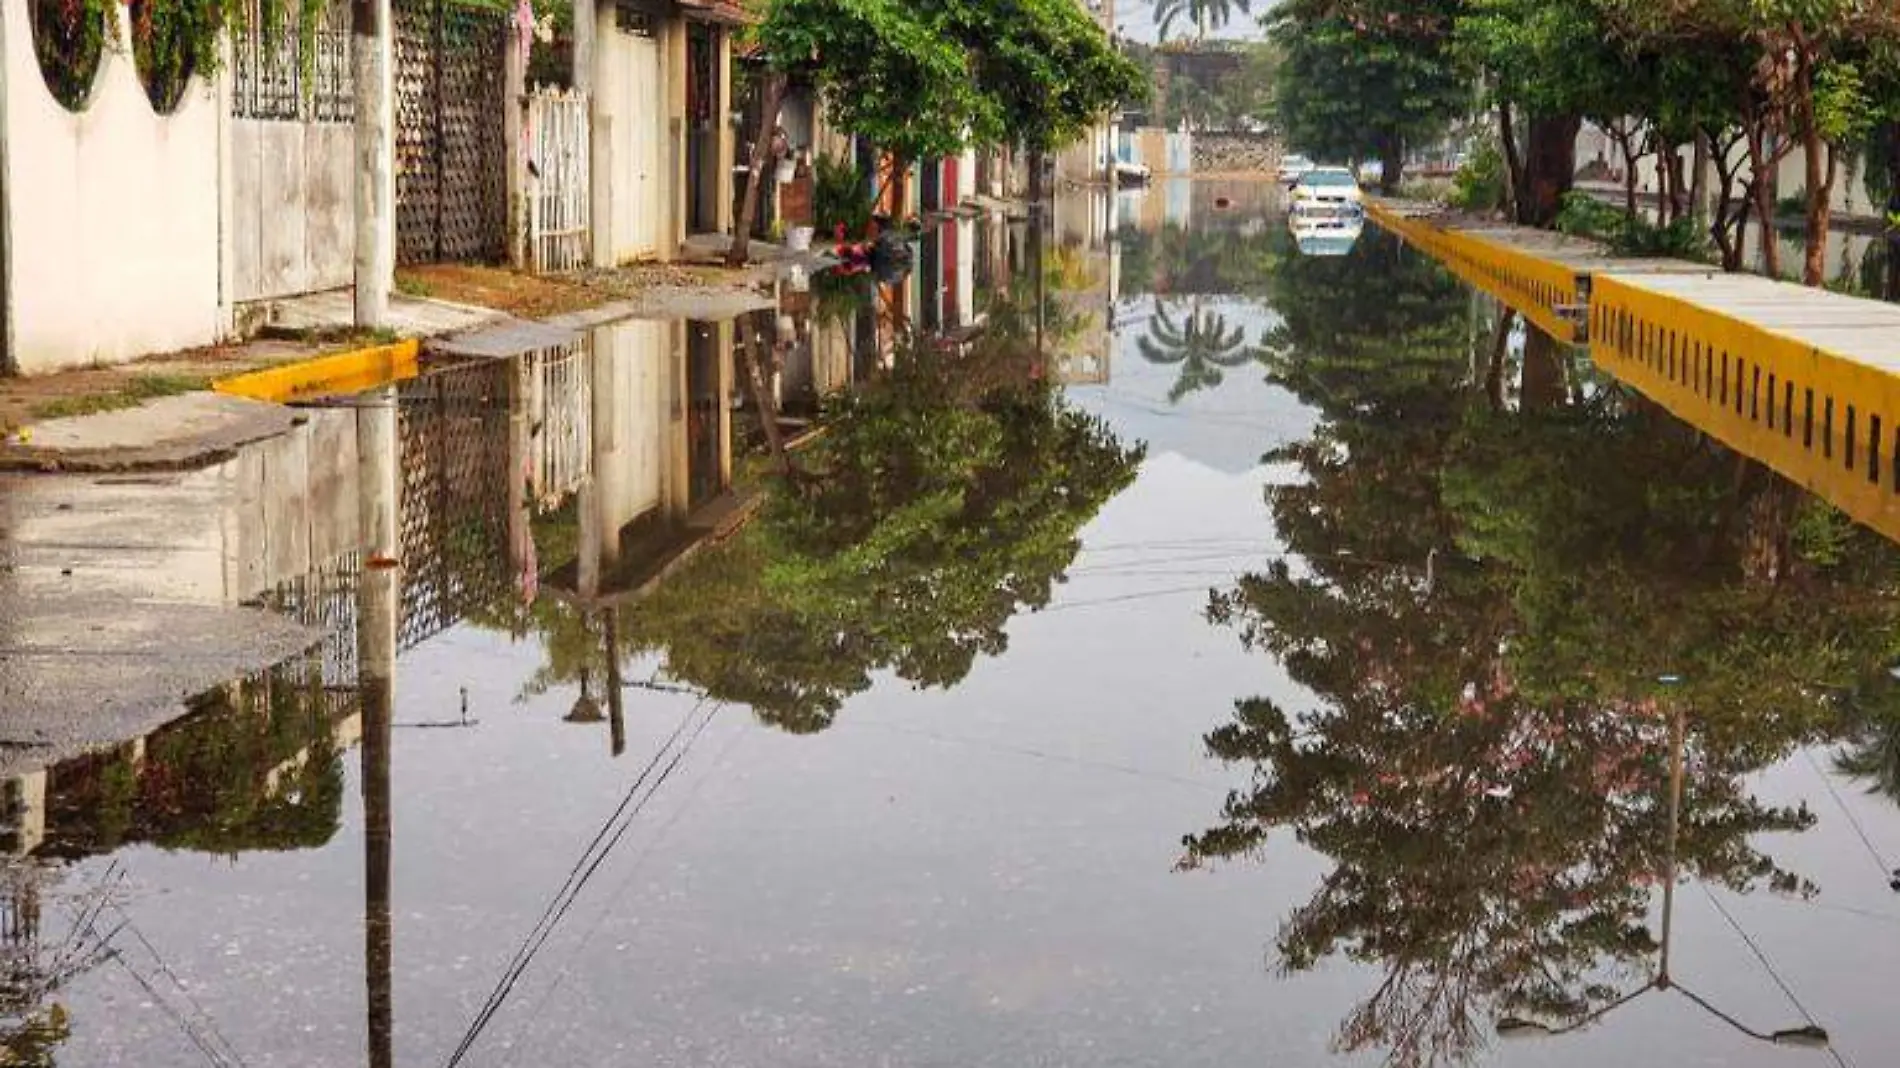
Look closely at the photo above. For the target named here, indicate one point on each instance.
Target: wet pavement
(1257, 650)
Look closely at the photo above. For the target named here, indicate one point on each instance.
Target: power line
(1767, 966)
(598, 849)
(619, 892)
(1886, 870)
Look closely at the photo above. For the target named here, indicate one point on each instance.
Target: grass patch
(411, 286)
(136, 391)
(351, 337)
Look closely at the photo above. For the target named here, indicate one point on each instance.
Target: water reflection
(598, 500)
(942, 499)
(1507, 576)
(1476, 566)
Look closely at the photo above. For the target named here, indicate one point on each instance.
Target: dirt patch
(530, 296)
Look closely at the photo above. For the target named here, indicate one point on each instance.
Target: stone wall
(1223, 152)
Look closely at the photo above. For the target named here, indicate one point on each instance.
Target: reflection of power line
(1166, 543)
(197, 1025)
(1144, 595)
(1812, 1035)
(1886, 870)
(1043, 754)
(620, 892)
(1769, 967)
(611, 831)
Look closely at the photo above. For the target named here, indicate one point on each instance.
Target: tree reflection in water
(941, 499)
(1491, 585)
(1201, 342)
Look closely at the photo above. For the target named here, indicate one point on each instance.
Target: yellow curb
(1534, 286)
(330, 375)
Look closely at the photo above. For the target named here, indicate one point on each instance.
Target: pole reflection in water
(616, 697)
(379, 595)
(1808, 1035)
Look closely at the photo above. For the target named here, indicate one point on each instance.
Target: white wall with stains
(112, 214)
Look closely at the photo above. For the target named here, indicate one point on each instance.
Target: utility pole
(372, 54)
(600, 236)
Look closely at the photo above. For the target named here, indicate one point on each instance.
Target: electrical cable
(582, 873)
(1886, 870)
(1767, 965)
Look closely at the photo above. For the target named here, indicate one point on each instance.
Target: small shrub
(1795, 203)
(839, 196)
(1479, 184)
(1585, 216)
(1821, 534)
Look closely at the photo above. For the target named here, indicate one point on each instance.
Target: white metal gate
(558, 194)
(561, 406)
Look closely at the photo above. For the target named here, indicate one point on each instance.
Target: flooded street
(1214, 645)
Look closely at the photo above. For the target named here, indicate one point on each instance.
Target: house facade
(143, 218)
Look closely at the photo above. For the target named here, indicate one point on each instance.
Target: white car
(1325, 229)
(1293, 168)
(1328, 185)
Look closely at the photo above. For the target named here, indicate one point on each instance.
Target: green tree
(1363, 80)
(1549, 65)
(1046, 73)
(887, 73)
(1202, 15)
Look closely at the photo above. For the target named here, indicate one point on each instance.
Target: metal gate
(451, 151)
(560, 198)
(454, 434)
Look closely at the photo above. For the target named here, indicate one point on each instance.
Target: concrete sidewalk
(158, 414)
(115, 608)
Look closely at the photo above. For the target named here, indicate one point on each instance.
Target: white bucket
(798, 238)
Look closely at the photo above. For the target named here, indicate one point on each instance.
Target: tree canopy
(923, 80)
(1753, 80)
(1361, 81)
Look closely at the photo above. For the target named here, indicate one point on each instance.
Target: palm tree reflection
(1201, 342)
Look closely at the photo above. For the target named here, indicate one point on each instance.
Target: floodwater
(1287, 661)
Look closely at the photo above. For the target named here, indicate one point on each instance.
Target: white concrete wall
(113, 214)
(965, 271)
(632, 398)
(292, 224)
(1851, 195)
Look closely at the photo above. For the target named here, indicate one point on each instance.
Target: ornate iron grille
(326, 599)
(451, 159)
(454, 434)
(268, 79)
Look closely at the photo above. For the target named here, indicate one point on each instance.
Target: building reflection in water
(540, 494)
